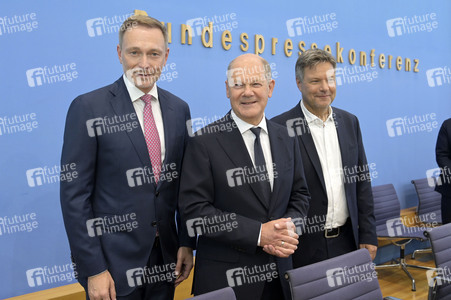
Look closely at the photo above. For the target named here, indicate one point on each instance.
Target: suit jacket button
(154, 224)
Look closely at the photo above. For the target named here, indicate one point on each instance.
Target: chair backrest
(226, 293)
(429, 201)
(349, 276)
(440, 238)
(386, 206)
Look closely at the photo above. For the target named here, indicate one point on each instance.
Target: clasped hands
(279, 237)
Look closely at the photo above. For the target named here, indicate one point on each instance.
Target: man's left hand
(184, 264)
(371, 248)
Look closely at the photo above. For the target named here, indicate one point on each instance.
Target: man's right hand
(279, 238)
(101, 287)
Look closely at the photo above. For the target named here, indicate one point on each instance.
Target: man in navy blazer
(120, 213)
(241, 183)
(443, 157)
(340, 217)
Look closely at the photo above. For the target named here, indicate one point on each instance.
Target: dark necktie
(260, 165)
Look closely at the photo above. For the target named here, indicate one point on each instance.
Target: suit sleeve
(197, 200)
(443, 146)
(300, 196)
(184, 239)
(365, 203)
(76, 196)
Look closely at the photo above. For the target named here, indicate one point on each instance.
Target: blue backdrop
(52, 51)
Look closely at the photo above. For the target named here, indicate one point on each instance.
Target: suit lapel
(233, 144)
(309, 144)
(123, 105)
(275, 140)
(169, 123)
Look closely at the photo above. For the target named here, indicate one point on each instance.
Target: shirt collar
(136, 93)
(244, 126)
(310, 117)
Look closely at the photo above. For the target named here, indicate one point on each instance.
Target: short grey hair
(265, 65)
(311, 58)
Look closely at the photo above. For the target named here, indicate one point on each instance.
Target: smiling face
(248, 87)
(318, 88)
(143, 54)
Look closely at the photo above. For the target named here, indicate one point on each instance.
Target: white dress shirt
(325, 137)
(249, 139)
(138, 104)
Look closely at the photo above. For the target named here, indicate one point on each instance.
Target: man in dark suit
(340, 217)
(127, 141)
(242, 181)
(443, 157)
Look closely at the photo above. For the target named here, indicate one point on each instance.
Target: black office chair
(429, 206)
(348, 276)
(389, 227)
(226, 293)
(440, 284)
